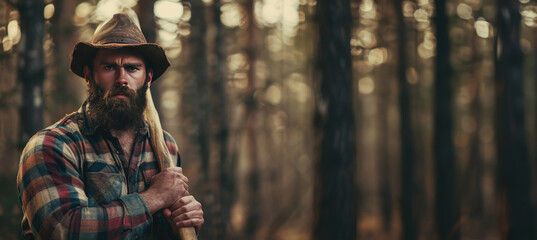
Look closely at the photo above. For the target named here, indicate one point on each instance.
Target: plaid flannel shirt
(75, 183)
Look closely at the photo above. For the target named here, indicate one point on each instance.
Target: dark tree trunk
(146, 15)
(199, 66)
(513, 162)
(253, 178)
(474, 173)
(447, 212)
(221, 129)
(384, 92)
(32, 69)
(63, 32)
(335, 199)
(408, 155)
(385, 161)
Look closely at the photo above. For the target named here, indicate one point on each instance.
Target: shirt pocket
(103, 187)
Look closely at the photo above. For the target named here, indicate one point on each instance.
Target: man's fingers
(185, 204)
(186, 212)
(194, 222)
(189, 215)
(182, 202)
(183, 177)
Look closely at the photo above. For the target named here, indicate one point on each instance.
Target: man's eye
(131, 68)
(109, 67)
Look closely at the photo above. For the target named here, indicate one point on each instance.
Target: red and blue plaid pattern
(75, 183)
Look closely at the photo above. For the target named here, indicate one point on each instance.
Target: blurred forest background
(312, 119)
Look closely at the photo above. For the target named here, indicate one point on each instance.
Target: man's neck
(122, 134)
(126, 140)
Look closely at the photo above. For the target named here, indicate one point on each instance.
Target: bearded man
(94, 173)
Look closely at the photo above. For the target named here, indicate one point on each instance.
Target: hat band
(120, 40)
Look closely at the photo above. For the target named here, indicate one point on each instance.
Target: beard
(117, 113)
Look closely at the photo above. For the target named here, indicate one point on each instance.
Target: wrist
(152, 201)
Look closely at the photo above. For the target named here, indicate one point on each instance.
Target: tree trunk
(513, 162)
(64, 95)
(220, 128)
(408, 155)
(474, 173)
(32, 70)
(335, 207)
(146, 15)
(253, 178)
(199, 66)
(384, 75)
(447, 212)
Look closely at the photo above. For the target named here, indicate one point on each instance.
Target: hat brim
(84, 52)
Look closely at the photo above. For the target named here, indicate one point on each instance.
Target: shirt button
(117, 151)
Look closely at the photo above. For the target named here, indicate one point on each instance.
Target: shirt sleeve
(51, 191)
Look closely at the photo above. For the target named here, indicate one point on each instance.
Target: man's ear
(87, 75)
(149, 77)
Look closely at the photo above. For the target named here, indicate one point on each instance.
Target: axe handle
(161, 152)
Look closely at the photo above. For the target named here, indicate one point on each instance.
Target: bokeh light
(368, 10)
(408, 8)
(290, 19)
(298, 88)
(279, 121)
(232, 15)
(236, 62)
(281, 14)
(168, 10)
(482, 28)
(464, 11)
(424, 51)
(273, 95)
(6, 44)
(377, 56)
(421, 15)
(13, 32)
(412, 76)
(166, 36)
(529, 15)
(366, 85)
(48, 12)
(106, 9)
(271, 12)
(367, 39)
(170, 99)
(82, 13)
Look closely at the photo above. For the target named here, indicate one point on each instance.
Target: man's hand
(185, 212)
(166, 187)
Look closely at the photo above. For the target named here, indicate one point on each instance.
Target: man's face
(120, 67)
(117, 88)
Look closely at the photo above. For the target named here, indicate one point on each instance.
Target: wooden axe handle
(161, 152)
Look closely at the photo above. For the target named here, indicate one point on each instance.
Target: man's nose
(121, 78)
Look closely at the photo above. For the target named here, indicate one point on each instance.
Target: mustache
(120, 90)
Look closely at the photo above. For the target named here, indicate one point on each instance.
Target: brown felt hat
(120, 31)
